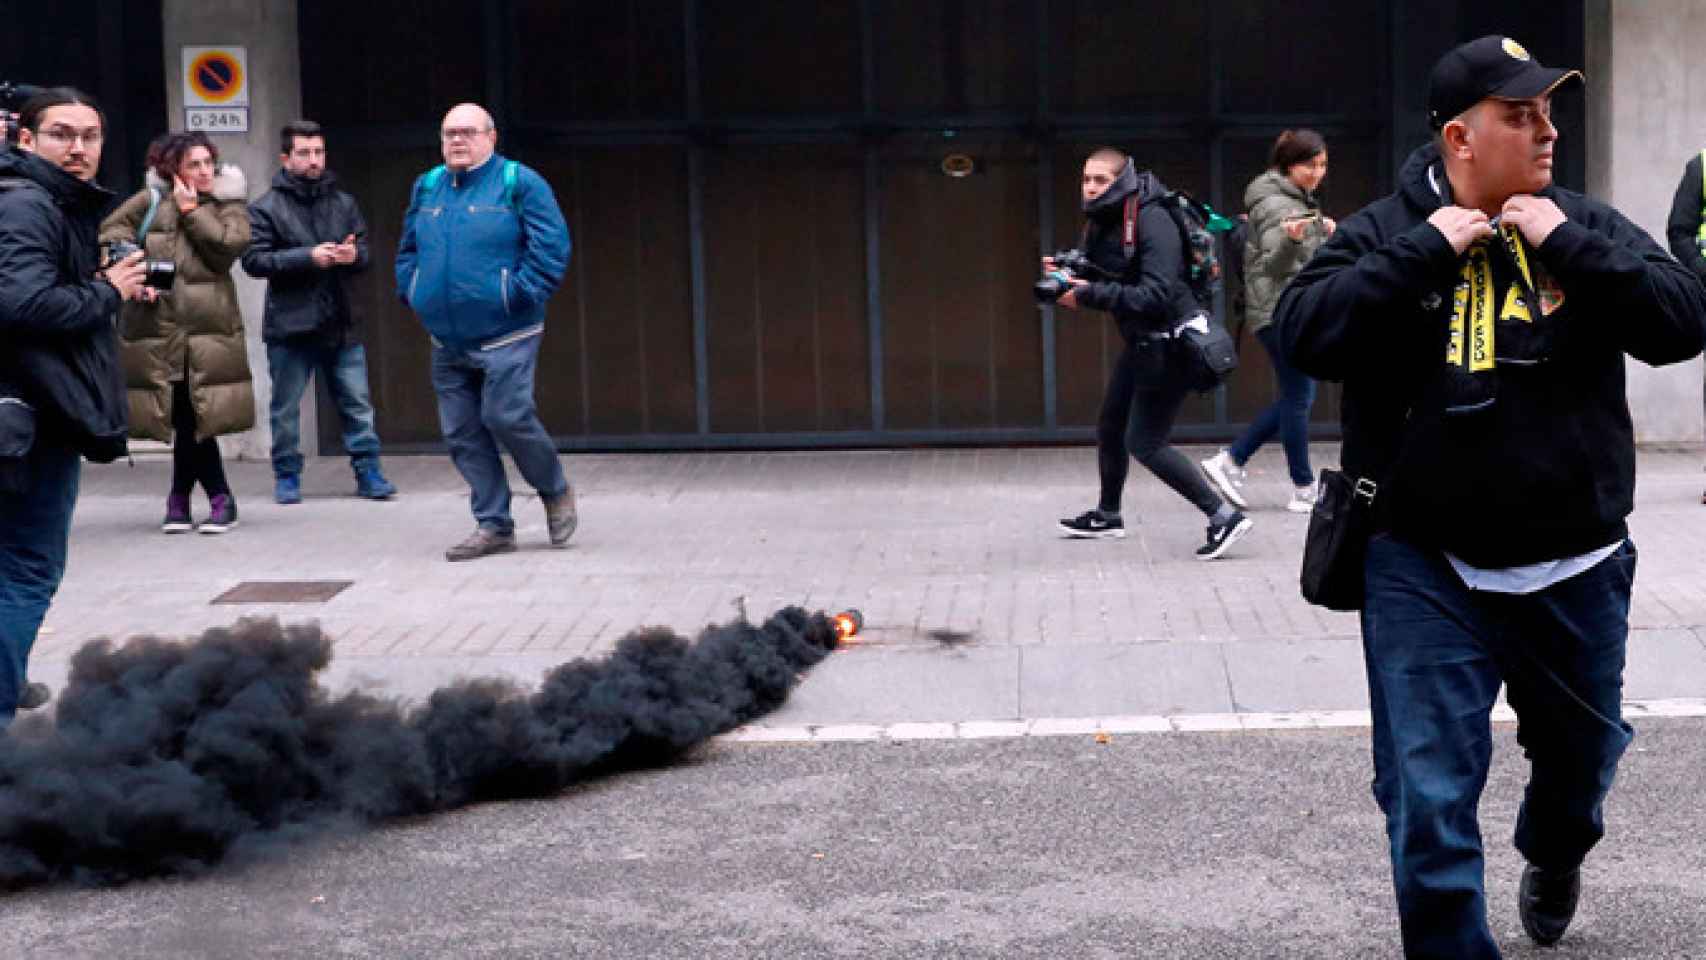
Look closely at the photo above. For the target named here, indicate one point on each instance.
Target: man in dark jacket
(1148, 295)
(308, 238)
(1686, 230)
(1484, 392)
(61, 395)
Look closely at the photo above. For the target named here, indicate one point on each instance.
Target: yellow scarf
(1472, 303)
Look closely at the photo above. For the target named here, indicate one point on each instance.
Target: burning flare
(847, 624)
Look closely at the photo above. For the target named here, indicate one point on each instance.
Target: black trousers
(193, 461)
(1136, 422)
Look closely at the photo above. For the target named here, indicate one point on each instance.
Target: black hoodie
(58, 343)
(1151, 295)
(1547, 470)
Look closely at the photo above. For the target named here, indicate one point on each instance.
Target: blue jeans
(1287, 416)
(485, 398)
(34, 529)
(1436, 653)
(344, 372)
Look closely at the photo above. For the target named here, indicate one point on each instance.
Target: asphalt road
(1156, 846)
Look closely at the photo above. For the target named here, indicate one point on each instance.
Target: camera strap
(1128, 237)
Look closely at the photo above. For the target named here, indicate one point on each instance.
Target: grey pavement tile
(876, 684)
(1081, 680)
(919, 540)
(1664, 663)
(1306, 675)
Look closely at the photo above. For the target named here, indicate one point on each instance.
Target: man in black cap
(1479, 319)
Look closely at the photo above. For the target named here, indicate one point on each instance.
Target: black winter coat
(1150, 296)
(1548, 470)
(58, 341)
(284, 225)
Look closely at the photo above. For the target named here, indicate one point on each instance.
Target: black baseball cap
(1492, 66)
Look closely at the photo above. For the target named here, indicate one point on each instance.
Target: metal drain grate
(283, 591)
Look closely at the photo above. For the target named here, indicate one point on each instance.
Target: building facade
(818, 224)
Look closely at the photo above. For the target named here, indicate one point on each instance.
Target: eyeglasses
(65, 136)
(460, 133)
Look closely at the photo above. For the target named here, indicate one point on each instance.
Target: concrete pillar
(1647, 116)
(267, 29)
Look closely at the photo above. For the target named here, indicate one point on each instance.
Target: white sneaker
(1227, 476)
(1302, 500)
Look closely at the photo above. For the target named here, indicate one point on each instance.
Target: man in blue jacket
(1479, 319)
(483, 247)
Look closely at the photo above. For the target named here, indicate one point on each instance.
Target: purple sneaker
(224, 515)
(177, 515)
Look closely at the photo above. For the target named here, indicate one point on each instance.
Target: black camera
(1069, 265)
(157, 274)
(12, 97)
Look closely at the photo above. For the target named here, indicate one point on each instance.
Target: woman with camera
(185, 355)
(1286, 227)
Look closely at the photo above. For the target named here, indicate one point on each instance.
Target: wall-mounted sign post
(216, 89)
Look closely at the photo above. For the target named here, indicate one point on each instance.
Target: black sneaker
(1221, 536)
(1546, 902)
(1093, 524)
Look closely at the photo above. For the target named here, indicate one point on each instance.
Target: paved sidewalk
(975, 608)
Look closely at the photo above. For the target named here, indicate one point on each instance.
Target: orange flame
(847, 624)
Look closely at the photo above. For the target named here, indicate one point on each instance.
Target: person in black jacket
(61, 395)
(1147, 294)
(308, 238)
(1685, 230)
(1483, 371)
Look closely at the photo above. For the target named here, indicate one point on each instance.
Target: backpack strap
(427, 181)
(148, 218)
(510, 174)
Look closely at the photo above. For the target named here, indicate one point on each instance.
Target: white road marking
(1146, 724)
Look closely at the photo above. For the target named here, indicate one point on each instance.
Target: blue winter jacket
(474, 266)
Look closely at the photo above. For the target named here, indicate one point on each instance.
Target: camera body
(158, 274)
(1069, 265)
(12, 97)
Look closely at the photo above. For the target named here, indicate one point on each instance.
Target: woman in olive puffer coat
(185, 355)
(1286, 228)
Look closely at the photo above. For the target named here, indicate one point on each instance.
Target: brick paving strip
(977, 611)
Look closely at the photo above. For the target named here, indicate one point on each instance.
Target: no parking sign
(216, 89)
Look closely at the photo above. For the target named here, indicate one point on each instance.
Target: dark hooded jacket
(58, 342)
(284, 226)
(1546, 470)
(1151, 296)
(1687, 209)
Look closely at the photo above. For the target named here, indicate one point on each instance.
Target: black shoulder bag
(1339, 530)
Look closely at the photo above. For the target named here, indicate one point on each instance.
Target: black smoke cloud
(164, 756)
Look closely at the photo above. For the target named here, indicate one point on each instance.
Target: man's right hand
(1461, 227)
(126, 276)
(324, 255)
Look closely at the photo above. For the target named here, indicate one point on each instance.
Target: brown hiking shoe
(481, 543)
(34, 695)
(560, 517)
